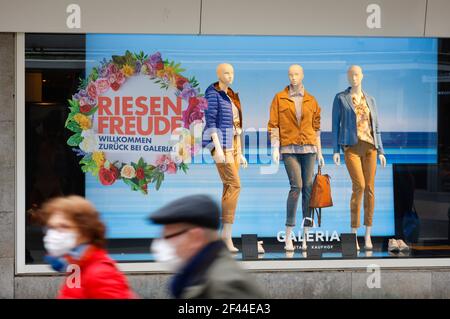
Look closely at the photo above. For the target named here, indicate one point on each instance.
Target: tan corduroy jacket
(283, 124)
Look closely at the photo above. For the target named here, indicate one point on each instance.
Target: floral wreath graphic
(111, 75)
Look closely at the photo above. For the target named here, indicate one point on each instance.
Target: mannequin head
(296, 75)
(225, 74)
(355, 76)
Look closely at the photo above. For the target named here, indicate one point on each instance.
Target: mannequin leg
(229, 174)
(305, 235)
(367, 240)
(226, 237)
(355, 231)
(369, 169)
(260, 247)
(293, 170)
(288, 245)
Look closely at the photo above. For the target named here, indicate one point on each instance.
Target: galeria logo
(318, 236)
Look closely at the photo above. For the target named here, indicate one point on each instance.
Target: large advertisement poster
(143, 92)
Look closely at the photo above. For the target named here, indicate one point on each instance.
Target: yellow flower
(99, 158)
(127, 70)
(82, 120)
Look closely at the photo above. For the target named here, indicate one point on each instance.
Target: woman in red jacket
(75, 240)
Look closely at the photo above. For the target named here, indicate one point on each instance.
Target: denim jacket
(344, 122)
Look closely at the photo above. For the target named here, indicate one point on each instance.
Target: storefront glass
(101, 110)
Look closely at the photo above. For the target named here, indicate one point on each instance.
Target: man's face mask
(165, 252)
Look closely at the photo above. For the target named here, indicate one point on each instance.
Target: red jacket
(99, 278)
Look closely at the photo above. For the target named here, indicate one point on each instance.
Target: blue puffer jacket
(219, 116)
(344, 122)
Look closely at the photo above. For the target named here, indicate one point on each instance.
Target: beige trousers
(229, 174)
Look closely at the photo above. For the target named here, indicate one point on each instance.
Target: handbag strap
(308, 218)
(318, 212)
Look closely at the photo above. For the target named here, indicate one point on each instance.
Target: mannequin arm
(241, 157)
(320, 158)
(218, 151)
(337, 159)
(382, 160)
(275, 143)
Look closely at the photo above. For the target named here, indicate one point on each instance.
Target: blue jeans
(300, 170)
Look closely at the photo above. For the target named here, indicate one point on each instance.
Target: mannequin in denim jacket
(355, 77)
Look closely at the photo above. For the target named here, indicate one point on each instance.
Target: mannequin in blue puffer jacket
(222, 136)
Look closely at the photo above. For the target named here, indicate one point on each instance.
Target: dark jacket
(219, 115)
(214, 274)
(344, 122)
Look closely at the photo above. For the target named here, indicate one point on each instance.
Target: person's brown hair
(82, 213)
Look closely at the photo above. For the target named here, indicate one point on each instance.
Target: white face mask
(165, 252)
(59, 243)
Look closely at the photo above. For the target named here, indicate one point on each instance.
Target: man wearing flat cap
(190, 242)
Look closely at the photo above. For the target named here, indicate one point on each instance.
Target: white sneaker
(289, 247)
(260, 248)
(304, 246)
(231, 248)
(402, 245)
(393, 245)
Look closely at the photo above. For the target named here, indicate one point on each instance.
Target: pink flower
(112, 68)
(115, 86)
(171, 168)
(194, 112)
(202, 103)
(83, 101)
(196, 117)
(92, 90)
(120, 78)
(102, 85)
(165, 164)
(162, 159)
(112, 78)
(150, 69)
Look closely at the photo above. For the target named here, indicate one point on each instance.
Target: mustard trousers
(361, 162)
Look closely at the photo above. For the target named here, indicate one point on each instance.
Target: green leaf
(141, 162)
(119, 60)
(74, 105)
(75, 140)
(91, 112)
(159, 181)
(69, 118)
(130, 183)
(94, 74)
(184, 167)
(83, 84)
(74, 127)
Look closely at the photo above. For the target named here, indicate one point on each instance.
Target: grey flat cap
(200, 210)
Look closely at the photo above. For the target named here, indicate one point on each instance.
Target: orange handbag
(320, 195)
